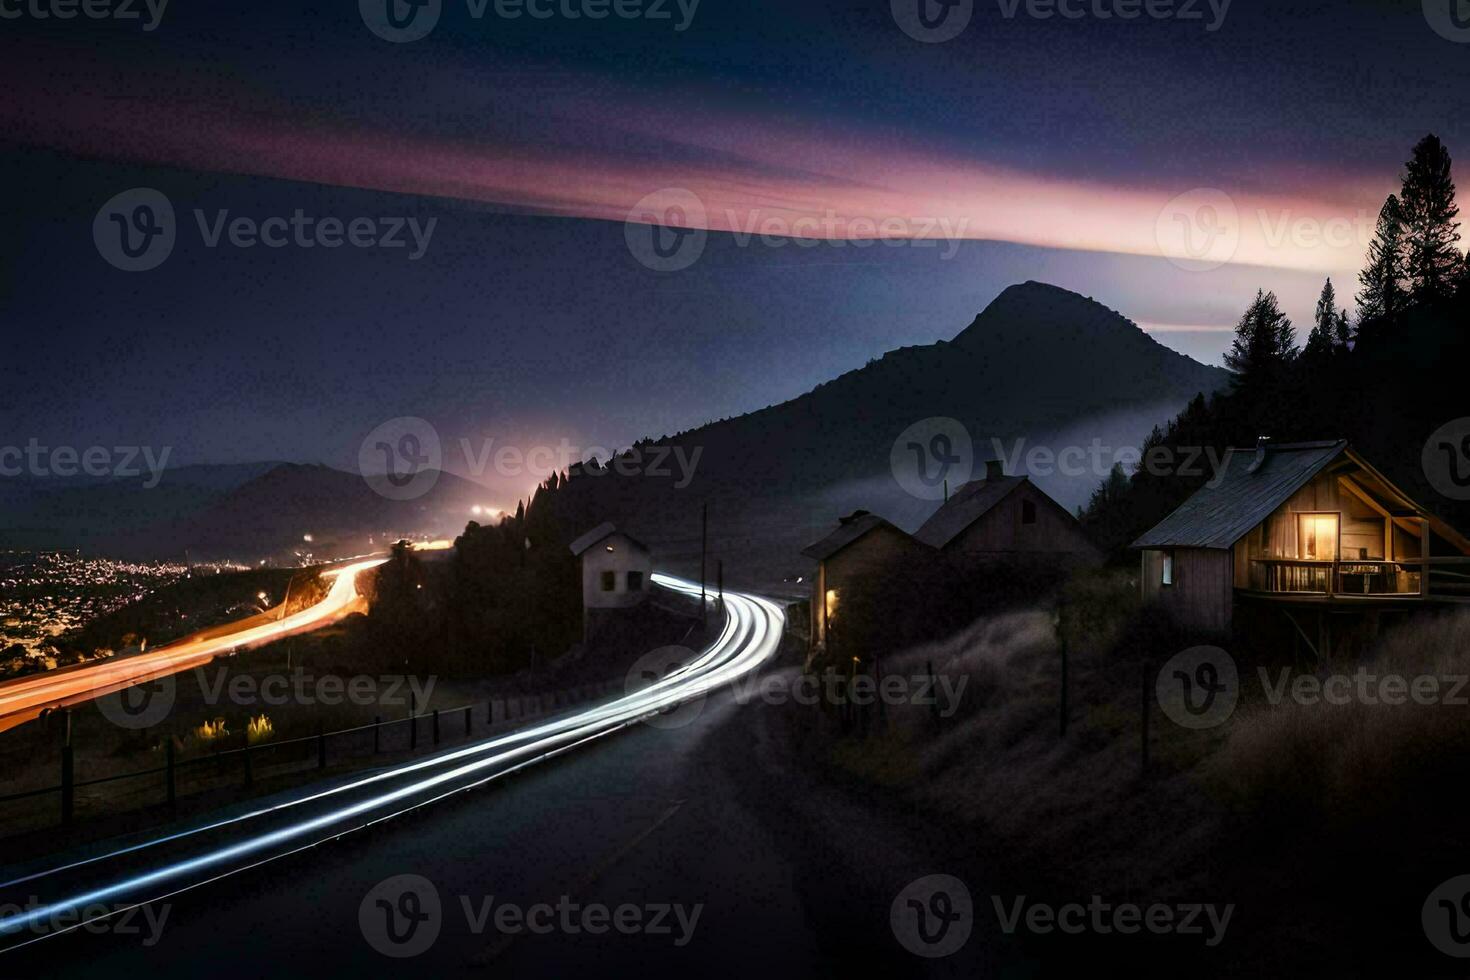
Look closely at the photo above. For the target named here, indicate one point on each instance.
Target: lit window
(609, 581)
(1168, 572)
(831, 604)
(1318, 537)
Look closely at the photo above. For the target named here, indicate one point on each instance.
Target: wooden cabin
(1312, 529)
(863, 544)
(1003, 517)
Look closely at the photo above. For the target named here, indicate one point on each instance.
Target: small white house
(616, 572)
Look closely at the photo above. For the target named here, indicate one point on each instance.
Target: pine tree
(1382, 297)
(1431, 233)
(1343, 332)
(1264, 344)
(1322, 341)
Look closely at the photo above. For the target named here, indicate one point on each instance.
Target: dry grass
(1341, 766)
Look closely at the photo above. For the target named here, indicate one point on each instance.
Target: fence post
(321, 746)
(413, 731)
(1143, 706)
(1063, 699)
(436, 726)
(468, 720)
(170, 778)
(68, 770)
(377, 734)
(934, 701)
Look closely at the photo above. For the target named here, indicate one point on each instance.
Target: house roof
(849, 529)
(599, 534)
(1241, 496)
(970, 503)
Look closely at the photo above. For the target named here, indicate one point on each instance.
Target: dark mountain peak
(1038, 310)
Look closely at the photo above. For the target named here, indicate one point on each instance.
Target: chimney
(1263, 445)
(995, 469)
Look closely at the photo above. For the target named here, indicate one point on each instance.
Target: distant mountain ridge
(1039, 364)
(246, 513)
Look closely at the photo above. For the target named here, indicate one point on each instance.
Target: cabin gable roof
(1242, 495)
(1252, 485)
(599, 534)
(970, 503)
(849, 530)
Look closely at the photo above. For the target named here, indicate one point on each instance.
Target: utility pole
(720, 580)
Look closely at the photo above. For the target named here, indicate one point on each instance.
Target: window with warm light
(831, 604)
(1317, 537)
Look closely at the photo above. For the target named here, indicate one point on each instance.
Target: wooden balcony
(1348, 580)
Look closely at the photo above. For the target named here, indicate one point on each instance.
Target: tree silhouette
(1322, 341)
(1431, 233)
(1264, 345)
(1343, 331)
(1383, 295)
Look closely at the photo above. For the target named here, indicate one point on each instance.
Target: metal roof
(970, 503)
(849, 529)
(599, 534)
(1241, 496)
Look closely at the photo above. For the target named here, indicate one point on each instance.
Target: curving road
(51, 899)
(26, 698)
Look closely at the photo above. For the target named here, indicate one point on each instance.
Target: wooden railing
(1346, 577)
(1449, 578)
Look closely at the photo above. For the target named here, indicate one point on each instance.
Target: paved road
(696, 824)
(790, 880)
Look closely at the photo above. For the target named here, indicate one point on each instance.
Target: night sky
(1053, 146)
